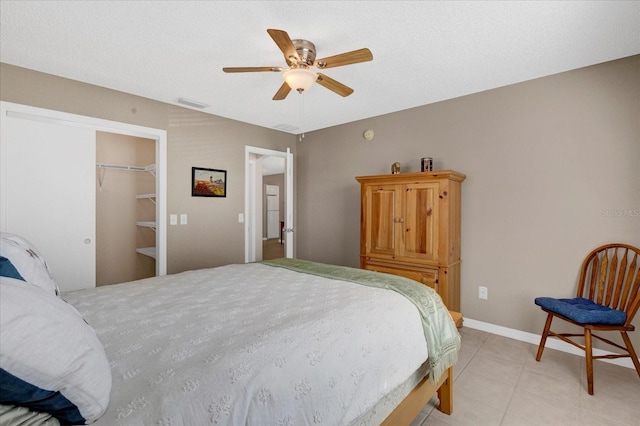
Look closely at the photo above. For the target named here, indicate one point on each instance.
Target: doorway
(260, 165)
(125, 196)
(273, 209)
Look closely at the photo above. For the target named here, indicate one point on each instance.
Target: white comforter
(250, 344)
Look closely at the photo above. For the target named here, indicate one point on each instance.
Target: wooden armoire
(410, 226)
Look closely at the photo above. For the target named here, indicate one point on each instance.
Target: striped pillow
(51, 360)
(21, 260)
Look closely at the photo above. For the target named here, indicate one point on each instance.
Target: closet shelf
(151, 168)
(150, 197)
(147, 224)
(147, 251)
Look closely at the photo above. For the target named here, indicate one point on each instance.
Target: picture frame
(426, 164)
(208, 182)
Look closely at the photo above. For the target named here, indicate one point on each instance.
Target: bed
(282, 342)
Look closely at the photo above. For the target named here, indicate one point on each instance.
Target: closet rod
(124, 167)
(150, 168)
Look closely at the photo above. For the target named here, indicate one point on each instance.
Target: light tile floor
(497, 381)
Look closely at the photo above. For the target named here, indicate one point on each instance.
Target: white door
(273, 211)
(288, 206)
(273, 224)
(273, 202)
(48, 194)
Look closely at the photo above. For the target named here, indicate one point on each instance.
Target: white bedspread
(250, 345)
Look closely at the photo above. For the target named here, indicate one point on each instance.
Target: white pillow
(50, 359)
(27, 261)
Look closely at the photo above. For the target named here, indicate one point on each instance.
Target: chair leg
(632, 352)
(589, 356)
(545, 334)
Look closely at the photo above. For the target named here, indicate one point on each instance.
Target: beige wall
(213, 235)
(546, 160)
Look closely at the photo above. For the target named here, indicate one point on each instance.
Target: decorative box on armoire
(410, 226)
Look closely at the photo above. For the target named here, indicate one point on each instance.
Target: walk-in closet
(125, 208)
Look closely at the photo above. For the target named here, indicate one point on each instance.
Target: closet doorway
(125, 208)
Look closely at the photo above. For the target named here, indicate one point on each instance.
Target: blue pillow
(16, 391)
(25, 258)
(583, 311)
(8, 270)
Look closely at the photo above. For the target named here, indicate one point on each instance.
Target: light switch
(173, 219)
(240, 217)
(183, 219)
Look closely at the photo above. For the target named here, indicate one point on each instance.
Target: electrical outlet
(483, 292)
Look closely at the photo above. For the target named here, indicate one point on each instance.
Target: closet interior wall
(118, 210)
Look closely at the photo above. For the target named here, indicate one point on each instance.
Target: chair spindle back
(610, 276)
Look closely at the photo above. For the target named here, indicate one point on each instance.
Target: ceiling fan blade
(334, 85)
(251, 69)
(353, 57)
(282, 92)
(285, 44)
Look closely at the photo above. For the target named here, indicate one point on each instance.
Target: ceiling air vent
(193, 104)
(285, 127)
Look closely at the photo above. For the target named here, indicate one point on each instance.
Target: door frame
(253, 191)
(13, 110)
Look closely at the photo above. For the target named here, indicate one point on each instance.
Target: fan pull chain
(301, 135)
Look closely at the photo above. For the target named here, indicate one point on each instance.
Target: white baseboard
(552, 343)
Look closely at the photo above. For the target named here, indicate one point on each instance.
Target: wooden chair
(607, 299)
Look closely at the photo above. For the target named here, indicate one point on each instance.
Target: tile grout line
(513, 394)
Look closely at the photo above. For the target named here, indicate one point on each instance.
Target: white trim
(249, 202)
(160, 136)
(288, 206)
(552, 343)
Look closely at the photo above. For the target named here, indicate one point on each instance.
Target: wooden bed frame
(409, 408)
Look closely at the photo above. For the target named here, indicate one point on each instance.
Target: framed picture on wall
(208, 182)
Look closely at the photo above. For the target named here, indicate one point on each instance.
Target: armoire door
(48, 194)
(383, 216)
(421, 221)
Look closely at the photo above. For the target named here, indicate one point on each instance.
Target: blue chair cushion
(582, 311)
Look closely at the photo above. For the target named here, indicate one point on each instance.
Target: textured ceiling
(424, 51)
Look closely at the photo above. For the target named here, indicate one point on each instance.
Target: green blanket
(440, 332)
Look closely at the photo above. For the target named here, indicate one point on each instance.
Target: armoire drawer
(426, 276)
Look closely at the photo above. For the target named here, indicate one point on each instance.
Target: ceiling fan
(300, 56)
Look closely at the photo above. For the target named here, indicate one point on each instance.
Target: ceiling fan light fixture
(300, 55)
(299, 79)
